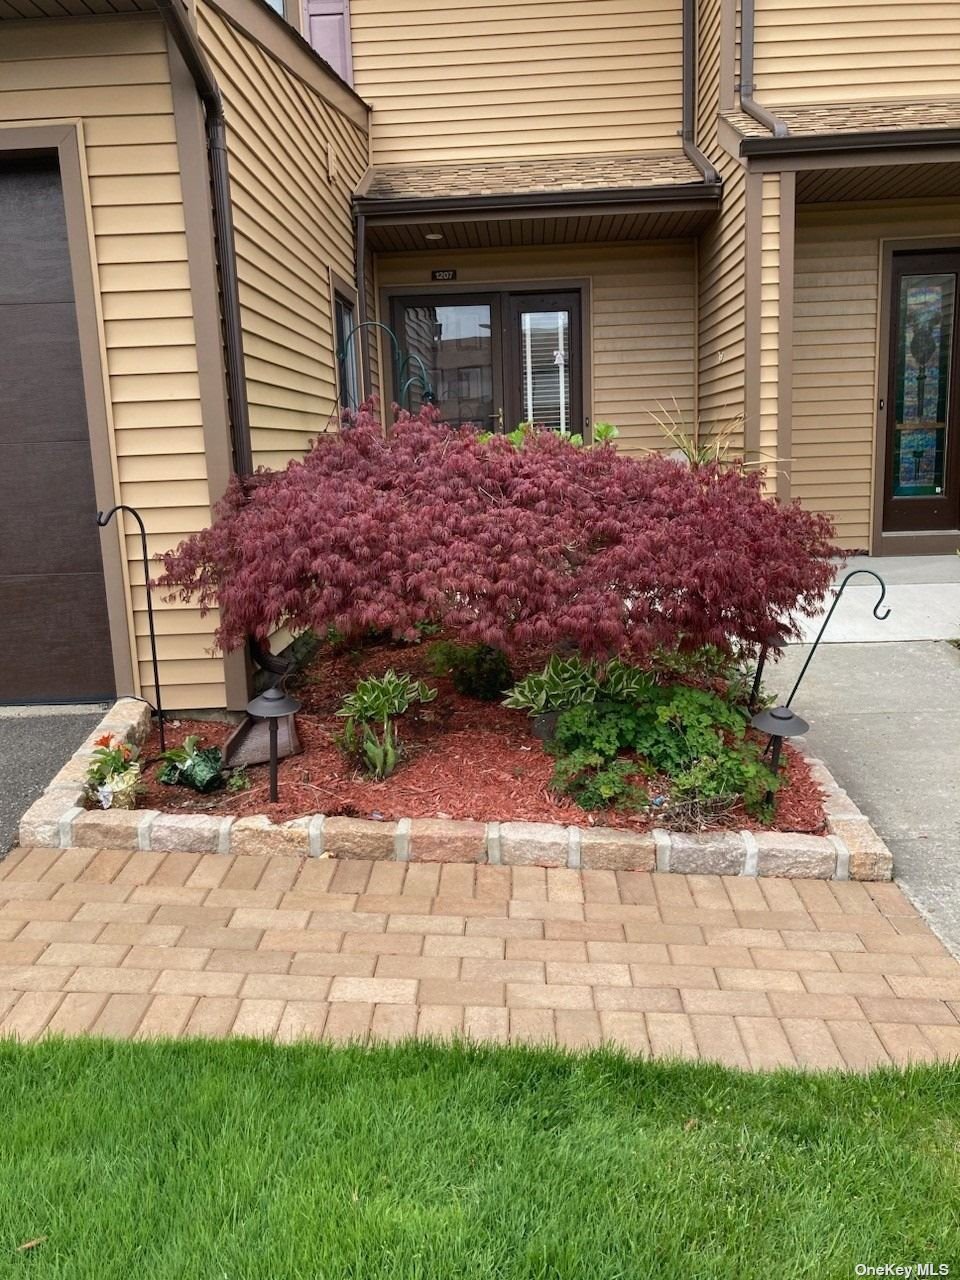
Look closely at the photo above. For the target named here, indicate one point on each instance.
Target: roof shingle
(550, 175)
(854, 117)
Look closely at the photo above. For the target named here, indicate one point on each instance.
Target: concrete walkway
(753, 973)
(883, 701)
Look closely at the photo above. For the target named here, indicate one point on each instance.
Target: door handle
(497, 418)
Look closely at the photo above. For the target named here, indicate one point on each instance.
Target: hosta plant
(563, 683)
(113, 776)
(378, 698)
(369, 734)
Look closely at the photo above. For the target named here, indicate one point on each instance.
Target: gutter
(688, 131)
(183, 35)
(476, 207)
(749, 104)
(838, 143)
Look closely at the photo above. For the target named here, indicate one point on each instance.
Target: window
(492, 359)
(276, 6)
(328, 30)
(348, 344)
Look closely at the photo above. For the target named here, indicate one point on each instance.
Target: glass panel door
(923, 467)
(543, 343)
(451, 346)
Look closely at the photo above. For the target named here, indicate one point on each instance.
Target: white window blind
(545, 368)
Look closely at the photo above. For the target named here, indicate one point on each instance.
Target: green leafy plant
(369, 734)
(563, 683)
(604, 433)
(596, 782)
(380, 752)
(191, 765)
(113, 775)
(477, 670)
(239, 779)
(692, 736)
(378, 698)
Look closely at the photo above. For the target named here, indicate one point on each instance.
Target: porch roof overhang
(837, 129)
(552, 200)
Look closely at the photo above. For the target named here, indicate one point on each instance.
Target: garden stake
(880, 617)
(103, 521)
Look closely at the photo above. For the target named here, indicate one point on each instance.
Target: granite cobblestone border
(852, 849)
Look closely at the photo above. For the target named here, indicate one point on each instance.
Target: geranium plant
(113, 776)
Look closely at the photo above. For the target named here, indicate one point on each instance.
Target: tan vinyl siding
(115, 77)
(294, 163)
(722, 331)
(489, 80)
(813, 51)
(642, 306)
(836, 347)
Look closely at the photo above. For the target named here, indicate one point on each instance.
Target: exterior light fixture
(272, 705)
(779, 723)
(433, 235)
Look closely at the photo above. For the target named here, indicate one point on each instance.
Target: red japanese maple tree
(547, 543)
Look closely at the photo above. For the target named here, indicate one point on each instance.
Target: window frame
(342, 293)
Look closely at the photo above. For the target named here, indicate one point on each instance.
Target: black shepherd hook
(880, 617)
(103, 519)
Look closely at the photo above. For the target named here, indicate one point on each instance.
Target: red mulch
(463, 759)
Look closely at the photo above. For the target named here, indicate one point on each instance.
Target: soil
(462, 759)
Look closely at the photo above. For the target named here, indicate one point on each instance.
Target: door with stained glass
(922, 480)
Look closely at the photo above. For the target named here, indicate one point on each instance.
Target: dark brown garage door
(54, 637)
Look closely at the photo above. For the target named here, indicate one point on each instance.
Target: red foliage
(546, 544)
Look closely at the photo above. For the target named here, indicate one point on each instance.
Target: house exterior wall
(295, 160)
(495, 80)
(837, 349)
(114, 77)
(819, 51)
(722, 251)
(640, 335)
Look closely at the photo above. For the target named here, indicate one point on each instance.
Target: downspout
(183, 35)
(749, 104)
(688, 130)
(360, 270)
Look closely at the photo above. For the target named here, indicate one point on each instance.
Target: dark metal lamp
(272, 705)
(778, 723)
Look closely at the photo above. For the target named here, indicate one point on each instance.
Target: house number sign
(448, 273)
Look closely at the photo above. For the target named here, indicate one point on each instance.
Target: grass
(202, 1161)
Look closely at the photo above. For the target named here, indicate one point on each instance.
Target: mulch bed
(463, 759)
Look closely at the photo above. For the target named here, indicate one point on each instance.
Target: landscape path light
(778, 723)
(273, 705)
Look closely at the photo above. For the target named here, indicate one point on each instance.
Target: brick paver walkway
(749, 972)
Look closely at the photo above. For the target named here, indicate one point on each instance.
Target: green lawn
(236, 1159)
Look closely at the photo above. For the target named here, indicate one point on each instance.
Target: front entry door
(922, 480)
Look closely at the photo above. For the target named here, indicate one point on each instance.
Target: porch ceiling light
(272, 705)
(433, 235)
